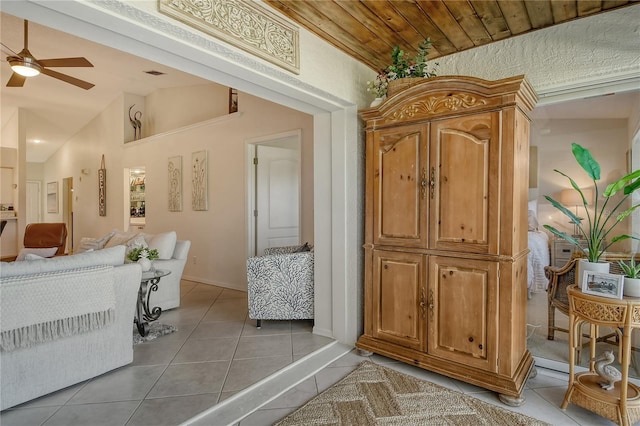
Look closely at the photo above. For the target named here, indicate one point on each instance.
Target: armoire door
(399, 299)
(465, 162)
(400, 186)
(463, 313)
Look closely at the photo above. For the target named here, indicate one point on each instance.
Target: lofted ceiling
(368, 29)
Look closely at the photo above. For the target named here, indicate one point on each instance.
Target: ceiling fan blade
(68, 79)
(65, 62)
(16, 80)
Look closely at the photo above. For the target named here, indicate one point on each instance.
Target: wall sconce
(85, 171)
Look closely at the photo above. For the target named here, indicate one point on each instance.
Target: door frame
(250, 153)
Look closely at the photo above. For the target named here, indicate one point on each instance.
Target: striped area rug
(377, 395)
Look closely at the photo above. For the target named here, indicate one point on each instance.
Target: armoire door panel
(463, 316)
(400, 159)
(465, 173)
(399, 298)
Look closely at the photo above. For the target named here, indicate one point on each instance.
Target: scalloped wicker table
(621, 404)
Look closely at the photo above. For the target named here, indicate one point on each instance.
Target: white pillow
(165, 243)
(533, 206)
(88, 243)
(136, 242)
(42, 252)
(31, 256)
(119, 239)
(533, 221)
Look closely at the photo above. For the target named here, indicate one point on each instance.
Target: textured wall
(605, 46)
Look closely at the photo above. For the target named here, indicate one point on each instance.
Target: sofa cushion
(109, 256)
(165, 243)
(119, 238)
(88, 243)
(42, 252)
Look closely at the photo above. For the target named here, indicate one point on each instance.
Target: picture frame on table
(601, 284)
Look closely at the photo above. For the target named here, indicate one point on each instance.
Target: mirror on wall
(606, 126)
(137, 205)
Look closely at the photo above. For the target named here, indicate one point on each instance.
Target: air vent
(153, 72)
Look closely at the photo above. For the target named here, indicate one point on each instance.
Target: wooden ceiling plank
(442, 18)
(372, 21)
(589, 7)
(414, 15)
(540, 13)
(491, 16)
(395, 21)
(563, 10)
(315, 22)
(469, 21)
(515, 13)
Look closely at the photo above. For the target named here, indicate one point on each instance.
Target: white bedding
(538, 258)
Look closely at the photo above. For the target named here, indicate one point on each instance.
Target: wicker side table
(621, 404)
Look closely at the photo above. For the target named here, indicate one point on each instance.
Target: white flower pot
(585, 265)
(376, 102)
(631, 287)
(145, 264)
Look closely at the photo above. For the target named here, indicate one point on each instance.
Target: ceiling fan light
(25, 67)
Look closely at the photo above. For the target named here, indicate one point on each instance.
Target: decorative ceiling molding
(243, 24)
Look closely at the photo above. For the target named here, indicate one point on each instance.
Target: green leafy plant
(403, 67)
(631, 270)
(142, 252)
(603, 219)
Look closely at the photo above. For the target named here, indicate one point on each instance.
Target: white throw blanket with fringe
(43, 307)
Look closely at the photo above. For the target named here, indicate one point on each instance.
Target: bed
(538, 256)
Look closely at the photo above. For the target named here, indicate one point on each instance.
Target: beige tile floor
(216, 353)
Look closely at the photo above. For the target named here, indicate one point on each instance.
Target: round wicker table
(621, 404)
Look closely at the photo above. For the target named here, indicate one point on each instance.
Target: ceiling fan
(25, 65)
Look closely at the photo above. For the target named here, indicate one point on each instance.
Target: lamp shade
(571, 197)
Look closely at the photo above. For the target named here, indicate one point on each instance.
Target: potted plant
(603, 218)
(402, 68)
(631, 272)
(143, 256)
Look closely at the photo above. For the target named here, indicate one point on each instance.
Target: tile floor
(217, 352)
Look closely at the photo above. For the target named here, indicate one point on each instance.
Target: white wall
(218, 235)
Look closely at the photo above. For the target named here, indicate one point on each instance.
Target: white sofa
(64, 320)
(173, 257)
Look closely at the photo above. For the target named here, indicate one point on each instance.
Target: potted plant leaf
(604, 216)
(631, 272)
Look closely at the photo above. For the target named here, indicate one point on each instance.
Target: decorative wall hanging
(102, 189)
(199, 198)
(52, 197)
(244, 24)
(233, 100)
(136, 123)
(175, 183)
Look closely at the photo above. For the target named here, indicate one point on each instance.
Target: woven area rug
(156, 330)
(377, 395)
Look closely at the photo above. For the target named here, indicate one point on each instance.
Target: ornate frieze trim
(244, 24)
(437, 104)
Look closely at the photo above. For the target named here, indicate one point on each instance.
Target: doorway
(274, 191)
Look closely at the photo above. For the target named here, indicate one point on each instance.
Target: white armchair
(280, 284)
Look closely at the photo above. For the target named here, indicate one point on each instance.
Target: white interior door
(277, 196)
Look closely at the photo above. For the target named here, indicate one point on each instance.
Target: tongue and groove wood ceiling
(368, 29)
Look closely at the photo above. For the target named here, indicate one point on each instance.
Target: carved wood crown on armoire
(447, 165)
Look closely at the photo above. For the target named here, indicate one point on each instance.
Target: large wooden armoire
(447, 165)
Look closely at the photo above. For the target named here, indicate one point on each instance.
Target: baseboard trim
(234, 409)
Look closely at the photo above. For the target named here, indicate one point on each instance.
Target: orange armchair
(44, 235)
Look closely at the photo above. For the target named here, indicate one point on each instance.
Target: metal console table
(144, 313)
